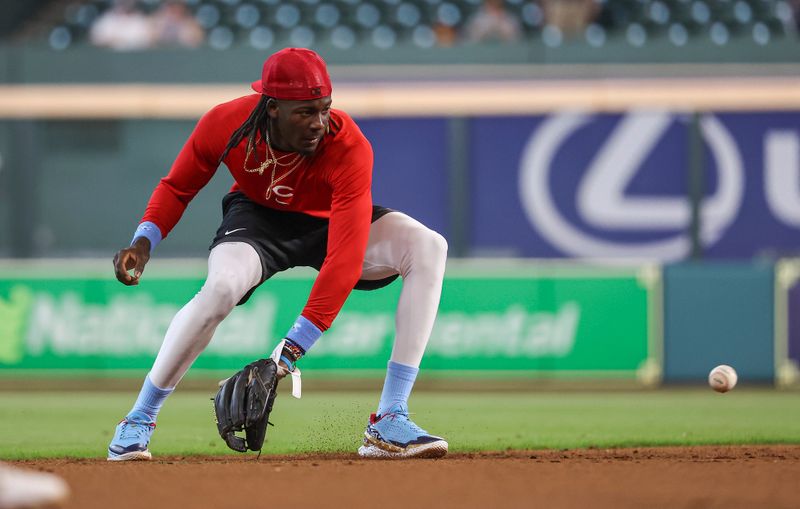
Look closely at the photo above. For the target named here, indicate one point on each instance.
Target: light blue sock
(150, 398)
(397, 386)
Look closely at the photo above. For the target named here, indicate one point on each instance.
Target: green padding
(718, 313)
(558, 324)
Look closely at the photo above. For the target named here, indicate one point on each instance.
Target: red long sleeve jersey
(332, 183)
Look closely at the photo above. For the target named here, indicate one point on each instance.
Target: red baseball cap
(294, 74)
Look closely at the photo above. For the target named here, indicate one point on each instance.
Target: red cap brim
(256, 85)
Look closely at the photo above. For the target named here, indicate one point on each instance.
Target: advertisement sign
(410, 169)
(550, 323)
(608, 185)
(794, 324)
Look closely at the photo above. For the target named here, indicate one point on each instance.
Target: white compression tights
(397, 244)
(233, 268)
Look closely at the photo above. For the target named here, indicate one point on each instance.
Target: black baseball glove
(244, 402)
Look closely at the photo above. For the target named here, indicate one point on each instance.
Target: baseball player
(301, 197)
(22, 488)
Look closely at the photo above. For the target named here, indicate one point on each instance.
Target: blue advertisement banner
(793, 317)
(410, 170)
(767, 219)
(573, 184)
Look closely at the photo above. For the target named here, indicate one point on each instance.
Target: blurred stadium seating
(384, 24)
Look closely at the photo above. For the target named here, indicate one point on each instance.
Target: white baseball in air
(722, 378)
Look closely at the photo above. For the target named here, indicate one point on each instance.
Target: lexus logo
(600, 198)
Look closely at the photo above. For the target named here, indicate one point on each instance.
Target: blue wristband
(149, 231)
(304, 333)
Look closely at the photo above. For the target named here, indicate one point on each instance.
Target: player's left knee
(438, 245)
(430, 249)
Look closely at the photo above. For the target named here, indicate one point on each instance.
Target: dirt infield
(690, 477)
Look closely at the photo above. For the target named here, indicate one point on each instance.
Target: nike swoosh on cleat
(228, 232)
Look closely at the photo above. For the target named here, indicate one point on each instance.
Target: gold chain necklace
(275, 162)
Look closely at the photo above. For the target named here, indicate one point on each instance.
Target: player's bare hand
(132, 258)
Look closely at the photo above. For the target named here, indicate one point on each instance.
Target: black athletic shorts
(282, 239)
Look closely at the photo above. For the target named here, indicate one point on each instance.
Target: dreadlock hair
(256, 124)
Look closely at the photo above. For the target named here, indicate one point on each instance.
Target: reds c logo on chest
(281, 194)
(277, 169)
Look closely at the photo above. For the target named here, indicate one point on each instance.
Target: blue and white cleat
(131, 438)
(394, 435)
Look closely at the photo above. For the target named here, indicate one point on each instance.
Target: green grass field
(79, 424)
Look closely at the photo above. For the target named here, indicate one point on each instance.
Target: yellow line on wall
(181, 101)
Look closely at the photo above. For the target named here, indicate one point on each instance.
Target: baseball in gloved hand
(244, 402)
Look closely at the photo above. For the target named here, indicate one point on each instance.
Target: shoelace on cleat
(405, 417)
(135, 429)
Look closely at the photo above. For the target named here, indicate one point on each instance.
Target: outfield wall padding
(498, 319)
(719, 313)
(503, 320)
